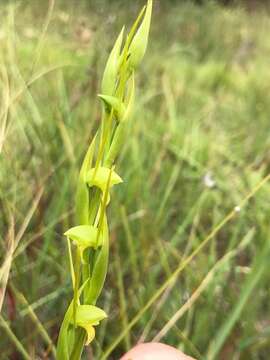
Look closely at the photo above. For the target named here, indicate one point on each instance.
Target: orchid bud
(120, 132)
(139, 42)
(111, 69)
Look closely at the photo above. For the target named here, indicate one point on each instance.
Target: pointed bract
(100, 267)
(113, 103)
(82, 195)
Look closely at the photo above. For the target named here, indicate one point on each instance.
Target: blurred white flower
(208, 180)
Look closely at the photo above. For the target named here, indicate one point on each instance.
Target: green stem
(78, 344)
(77, 283)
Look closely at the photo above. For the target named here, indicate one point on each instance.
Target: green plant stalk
(93, 194)
(79, 341)
(80, 335)
(76, 284)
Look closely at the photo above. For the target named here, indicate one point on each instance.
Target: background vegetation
(198, 144)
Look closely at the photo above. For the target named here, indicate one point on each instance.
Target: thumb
(155, 351)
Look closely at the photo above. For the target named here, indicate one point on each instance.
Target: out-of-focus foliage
(200, 143)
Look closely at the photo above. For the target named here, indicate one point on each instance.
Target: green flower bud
(120, 132)
(111, 69)
(139, 42)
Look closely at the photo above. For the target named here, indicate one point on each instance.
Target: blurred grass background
(198, 143)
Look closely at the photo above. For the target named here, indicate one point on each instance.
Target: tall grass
(199, 144)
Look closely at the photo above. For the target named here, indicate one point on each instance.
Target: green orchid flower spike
(90, 235)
